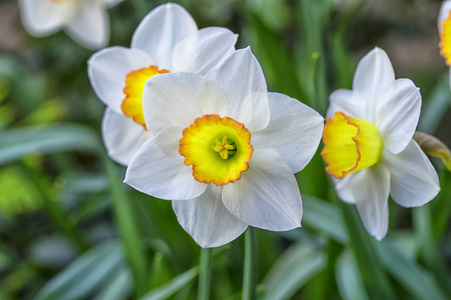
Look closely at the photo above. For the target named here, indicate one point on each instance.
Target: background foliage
(70, 230)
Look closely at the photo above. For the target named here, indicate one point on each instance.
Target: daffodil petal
(444, 14)
(267, 195)
(43, 17)
(122, 136)
(202, 50)
(348, 102)
(370, 188)
(107, 70)
(344, 189)
(373, 74)
(294, 131)
(161, 30)
(242, 80)
(397, 114)
(207, 220)
(174, 94)
(91, 26)
(414, 181)
(157, 169)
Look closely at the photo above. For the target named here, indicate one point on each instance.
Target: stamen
(226, 148)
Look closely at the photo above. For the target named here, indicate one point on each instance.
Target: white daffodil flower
(444, 14)
(368, 144)
(166, 40)
(85, 21)
(225, 150)
(444, 29)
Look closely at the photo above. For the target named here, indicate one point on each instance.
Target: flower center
(219, 149)
(350, 145)
(132, 105)
(445, 40)
(226, 148)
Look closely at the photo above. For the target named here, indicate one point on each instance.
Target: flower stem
(203, 292)
(250, 259)
(129, 233)
(368, 261)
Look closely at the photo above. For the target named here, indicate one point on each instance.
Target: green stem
(367, 260)
(128, 229)
(250, 259)
(205, 267)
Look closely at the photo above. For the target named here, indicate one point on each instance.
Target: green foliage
(58, 189)
(19, 196)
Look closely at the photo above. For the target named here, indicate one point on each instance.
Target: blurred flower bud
(434, 147)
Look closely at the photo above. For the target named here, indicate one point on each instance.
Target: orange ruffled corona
(445, 40)
(219, 149)
(132, 105)
(350, 145)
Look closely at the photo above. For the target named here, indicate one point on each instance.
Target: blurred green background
(70, 230)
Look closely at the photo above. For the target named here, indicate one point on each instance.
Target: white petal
(444, 14)
(122, 136)
(44, 17)
(161, 30)
(173, 94)
(413, 179)
(374, 73)
(202, 50)
(343, 187)
(295, 131)
(107, 70)
(207, 220)
(241, 78)
(397, 114)
(348, 102)
(91, 26)
(267, 195)
(370, 188)
(158, 169)
(111, 3)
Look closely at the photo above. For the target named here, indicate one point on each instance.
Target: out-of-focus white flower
(167, 40)
(369, 147)
(444, 13)
(225, 150)
(86, 21)
(444, 29)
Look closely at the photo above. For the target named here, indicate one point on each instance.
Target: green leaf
(441, 206)
(173, 286)
(83, 276)
(314, 16)
(294, 268)
(17, 143)
(118, 288)
(435, 108)
(350, 285)
(159, 271)
(280, 68)
(409, 274)
(128, 229)
(325, 217)
(368, 262)
(413, 278)
(423, 226)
